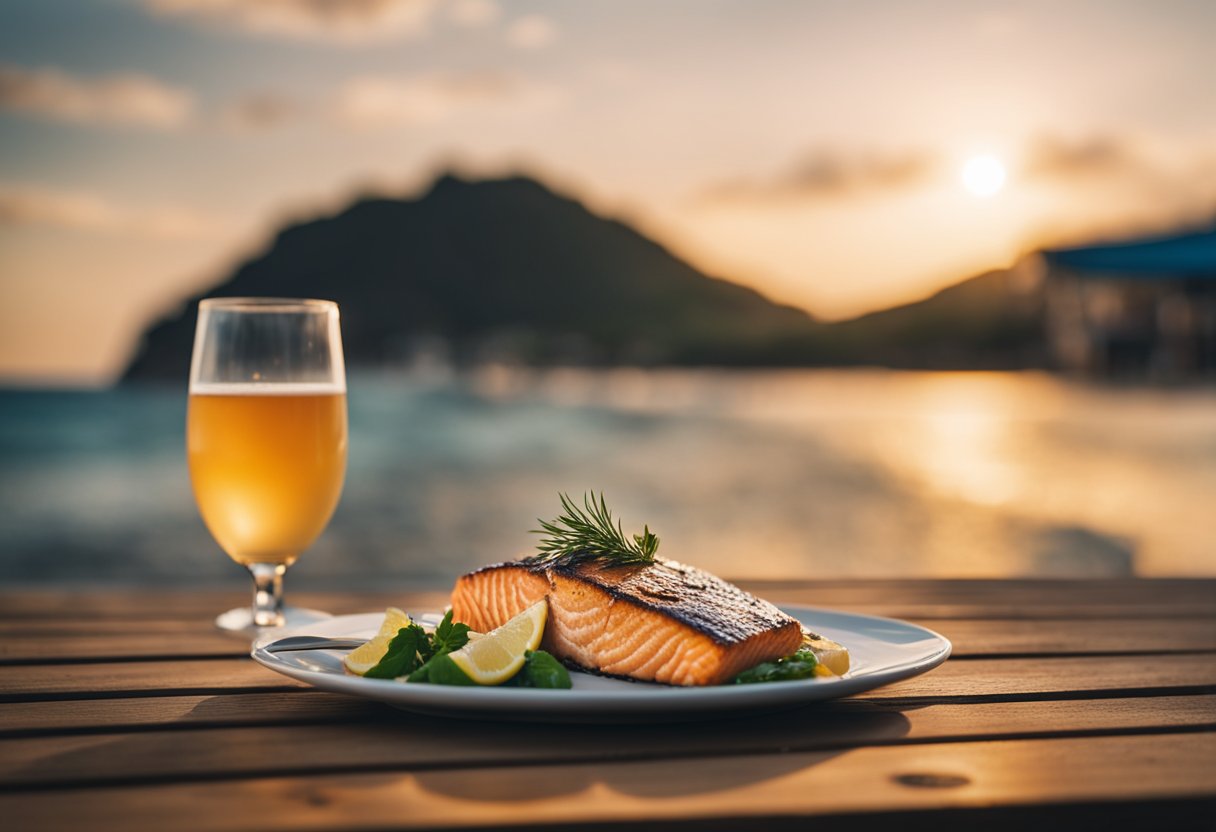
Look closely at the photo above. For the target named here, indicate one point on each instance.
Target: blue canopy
(1161, 258)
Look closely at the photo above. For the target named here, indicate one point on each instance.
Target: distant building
(1138, 308)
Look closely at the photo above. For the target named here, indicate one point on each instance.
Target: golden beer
(267, 464)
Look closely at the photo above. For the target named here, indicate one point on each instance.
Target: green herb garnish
(589, 534)
(800, 665)
(448, 637)
(424, 657)
(541, 670)
(441, 670)
(402, 655)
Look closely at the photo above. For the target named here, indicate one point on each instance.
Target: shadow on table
(751, 750)
(330, 734)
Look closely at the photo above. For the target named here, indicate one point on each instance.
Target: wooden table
(1066, 704)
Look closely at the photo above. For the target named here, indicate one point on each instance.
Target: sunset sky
(815, 150)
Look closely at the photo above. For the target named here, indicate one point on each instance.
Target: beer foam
(268, 388)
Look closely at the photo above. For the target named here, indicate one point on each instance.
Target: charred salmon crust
(665, 622)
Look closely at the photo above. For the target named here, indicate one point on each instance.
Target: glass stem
(267, 593)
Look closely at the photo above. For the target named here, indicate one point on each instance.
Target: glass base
(240, 620)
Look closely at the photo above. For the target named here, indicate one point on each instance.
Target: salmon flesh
(664, 622)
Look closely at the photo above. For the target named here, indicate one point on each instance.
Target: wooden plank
(890, 779)
(976, 679)
(988, 637)
(184, 678)
(397, 741)
(1002, 591)
(930, 613)
(94, 627)
(200, 604)
(984, 637)
(988, 679)
(185, 712)
(937, 598)
(188, 712)
(31, 649)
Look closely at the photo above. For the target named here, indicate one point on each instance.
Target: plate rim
(651, 699)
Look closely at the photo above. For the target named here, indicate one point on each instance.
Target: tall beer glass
(266, 438)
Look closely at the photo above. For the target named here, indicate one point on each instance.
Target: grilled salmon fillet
(664, 622)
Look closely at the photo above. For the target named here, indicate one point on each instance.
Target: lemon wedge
(833, 656)
(364, 658)
(496, 656)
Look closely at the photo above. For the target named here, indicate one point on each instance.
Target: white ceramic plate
(883, 650)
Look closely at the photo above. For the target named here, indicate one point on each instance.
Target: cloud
(827, 173)
(1165, 178)
(532, 31)
(474, 12)
(371, 102)
(1097, 155)
(38, 205)
(260, 111)
(339, 21)
(123, 99)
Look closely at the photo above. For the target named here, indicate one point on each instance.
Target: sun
(983, 175)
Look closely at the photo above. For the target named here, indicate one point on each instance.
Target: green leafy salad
(419, 656)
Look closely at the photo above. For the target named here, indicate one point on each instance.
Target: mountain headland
(507, 269)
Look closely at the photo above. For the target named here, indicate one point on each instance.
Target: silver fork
(292, 643)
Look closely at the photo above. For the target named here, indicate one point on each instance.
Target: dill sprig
(590, 534)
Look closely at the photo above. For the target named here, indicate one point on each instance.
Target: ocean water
(748, 474)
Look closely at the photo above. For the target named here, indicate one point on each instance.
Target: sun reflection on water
(747, 474)
(962, 473)
(959, 439)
